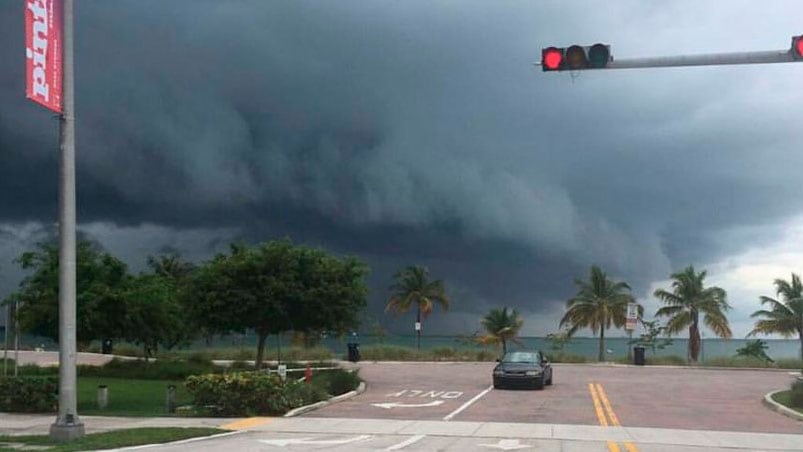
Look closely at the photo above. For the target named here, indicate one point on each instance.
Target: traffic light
(797, 47)
(575, 58)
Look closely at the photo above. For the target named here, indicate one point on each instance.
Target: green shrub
(796, 395)
(300, 394)
(150, 370)
(740, 361)
(787, 363)
(397, 353)
(336, 382)
(32, 370)
(29, 394)
(122, 349)
(241, 394)
(671, 360)
(566, 358)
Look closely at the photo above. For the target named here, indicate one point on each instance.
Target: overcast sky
(421, 133)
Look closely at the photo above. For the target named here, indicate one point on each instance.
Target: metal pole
(16, 337)
(629, 345)
(5, 343)
(67, 426)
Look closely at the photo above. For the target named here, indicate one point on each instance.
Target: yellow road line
(247, 423)
(603, 406)
(597, 407)
(608, 408)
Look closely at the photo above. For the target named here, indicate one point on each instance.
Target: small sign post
(632, 316)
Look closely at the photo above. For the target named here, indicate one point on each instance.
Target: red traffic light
(575, 57)
(797, 47)
(551, 59)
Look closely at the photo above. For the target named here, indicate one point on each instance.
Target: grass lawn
(129, 397)
(783, 399)
(108, 440)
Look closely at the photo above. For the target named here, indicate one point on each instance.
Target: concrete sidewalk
(643, 438)
(39, 424)
(562, 432)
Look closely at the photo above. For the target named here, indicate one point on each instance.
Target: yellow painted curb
(245, 424)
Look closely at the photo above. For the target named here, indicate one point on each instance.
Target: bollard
(103, 397)
(170, 401)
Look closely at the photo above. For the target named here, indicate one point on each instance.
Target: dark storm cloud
(418, 133)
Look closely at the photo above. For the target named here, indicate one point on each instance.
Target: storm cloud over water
(419, 132)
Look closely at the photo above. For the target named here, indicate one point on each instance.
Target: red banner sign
(43, 52)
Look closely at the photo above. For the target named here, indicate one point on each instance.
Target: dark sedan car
(523, 369)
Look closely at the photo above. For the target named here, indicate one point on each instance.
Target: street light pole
(67, 426)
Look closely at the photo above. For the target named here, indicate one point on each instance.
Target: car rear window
(521, 357)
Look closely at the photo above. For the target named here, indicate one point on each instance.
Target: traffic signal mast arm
(711, 59)
(598, 56)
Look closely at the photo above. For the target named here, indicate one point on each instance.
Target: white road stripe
(407, 442)
(467, 404)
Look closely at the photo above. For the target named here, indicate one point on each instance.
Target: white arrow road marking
(311, 441)
(454, 413)
(507, 444)
(407, 442)
(390, 405)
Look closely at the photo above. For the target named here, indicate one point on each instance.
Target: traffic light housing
(797, 47)
(575, 57)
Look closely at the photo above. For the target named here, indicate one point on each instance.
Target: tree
(171, 265)
(558, 341)
(688, 299)
(412, 287)
(652, 336)
(155, 317)
(599, 304)
(755, 349)
(502, 326)
(101, 279)
(784, 316)
(277, 287)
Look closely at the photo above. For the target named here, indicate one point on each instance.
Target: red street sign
(43, 53)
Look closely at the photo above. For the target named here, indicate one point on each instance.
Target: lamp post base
(66, 432)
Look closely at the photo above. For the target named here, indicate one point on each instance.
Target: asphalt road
(658, 397)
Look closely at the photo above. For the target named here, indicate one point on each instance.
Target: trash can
(638, 356)
(106, 347)
(354, 352)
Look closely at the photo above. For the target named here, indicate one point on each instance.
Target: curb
(305, 409)
(777, 407)
(175, 443)
(673, 366)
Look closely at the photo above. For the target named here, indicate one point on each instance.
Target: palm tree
(785, 316)
(599, 304)
(414, 288)
(502, 326)
(690, 298)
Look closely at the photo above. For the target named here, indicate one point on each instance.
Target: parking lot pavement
(431, 391)
(661, 397)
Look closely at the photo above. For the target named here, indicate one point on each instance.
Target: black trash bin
(354, 352)
(638, 356)
(106, 347)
